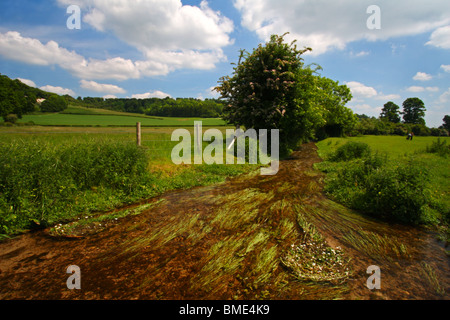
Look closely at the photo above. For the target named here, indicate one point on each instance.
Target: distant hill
(18, 98)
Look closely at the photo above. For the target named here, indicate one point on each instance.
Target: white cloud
(366, 109)
(29, 83)
(101, 87)
(388, 97)
(422, 89)
(324, 24)
(151, 94)
(446, 67)
(440, 38)
(170, 35)
(359, 54)
(361, 107)
(360, 90)
(445, 97)
(209, 93)
(58, 90)
(415, 89)
(422, 76)
(15, 47)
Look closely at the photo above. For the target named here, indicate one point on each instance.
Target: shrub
(439, 147)
(350, 150)
(377, 187)
(11, 118)
(40, 182)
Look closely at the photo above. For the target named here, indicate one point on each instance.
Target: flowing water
(232, 241)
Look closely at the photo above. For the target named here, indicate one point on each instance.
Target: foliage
(377, 187)
(54, 103)
(414, 111)
(39, 181)
(11, 118)
(373, 126)
(332, 97)
(55, 178)
(390, 112)
(439, 147)
(17, 98)
(351, 150)
(271, 89)
(166, 107)
(446, 124)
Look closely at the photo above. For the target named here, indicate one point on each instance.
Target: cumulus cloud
(446, 67)
(170, 36)
(324, 24)
(388, 97)
(360, 90)
(100, 87)
(422, 89)
(29, 83)
(422, 76)
(151, 94)
(440, 38)
(58, 90)
(445, 97)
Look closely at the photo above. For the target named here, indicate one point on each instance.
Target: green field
(399, 180)
(54, 174)
(79, 116)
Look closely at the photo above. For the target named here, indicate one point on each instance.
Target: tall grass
(49, 177)
(42, 182)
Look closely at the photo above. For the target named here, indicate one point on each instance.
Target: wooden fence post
(138, 134)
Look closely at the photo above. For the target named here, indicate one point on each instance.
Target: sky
(382, 50)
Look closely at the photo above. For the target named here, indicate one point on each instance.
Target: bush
(40, 182)
(350, 150)
(11, 118)
(439, 147)
(377, 187)
(54, 103)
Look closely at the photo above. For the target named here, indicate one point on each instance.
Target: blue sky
(158, 48)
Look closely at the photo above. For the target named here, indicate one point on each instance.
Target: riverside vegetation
(390, 178)
(50, 177)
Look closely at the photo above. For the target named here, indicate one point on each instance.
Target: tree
(332, 97)
(272, 89)
(413, 111)
(390, 112)
(54, 103)
(446, 124)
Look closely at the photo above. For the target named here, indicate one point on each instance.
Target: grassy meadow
(50, 175)
(392, 178)
(80, 116)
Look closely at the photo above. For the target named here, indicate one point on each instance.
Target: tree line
(166, 107)
(392, 121)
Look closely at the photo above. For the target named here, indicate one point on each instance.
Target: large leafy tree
(446, 124)
(271, 88)
(331, 98)
(390, 112)
(414, 111)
